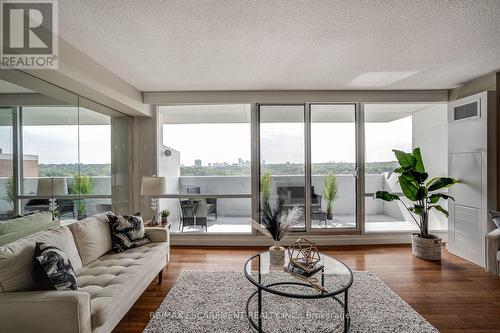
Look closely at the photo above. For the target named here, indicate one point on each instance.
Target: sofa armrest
(45, 311)
(492, 247)
(157, 234)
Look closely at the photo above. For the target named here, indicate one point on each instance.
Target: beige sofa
(493, 252)
(108, 283)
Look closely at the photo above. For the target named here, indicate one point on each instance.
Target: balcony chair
(211, 202)
(193, 213)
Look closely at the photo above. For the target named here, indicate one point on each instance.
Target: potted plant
(265, 186)
(329, 193)
(81, 185)
(424, 195)
(275, 224)
(165, 213)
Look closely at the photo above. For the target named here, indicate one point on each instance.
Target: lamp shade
(154, 186)
(51, 186)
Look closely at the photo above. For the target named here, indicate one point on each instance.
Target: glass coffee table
(333, 281)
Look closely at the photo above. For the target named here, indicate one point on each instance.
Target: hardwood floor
(453, 295)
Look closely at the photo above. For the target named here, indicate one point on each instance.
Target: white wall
(430, 133)
(169, 167)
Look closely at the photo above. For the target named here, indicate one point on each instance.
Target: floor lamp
(154, 187)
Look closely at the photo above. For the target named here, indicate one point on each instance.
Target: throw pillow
(52, 269)
(495, 217)
(127, 231)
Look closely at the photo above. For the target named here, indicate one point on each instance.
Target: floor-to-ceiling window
(206, 157)
(308, 156)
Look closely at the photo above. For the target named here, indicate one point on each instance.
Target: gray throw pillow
(127, 231)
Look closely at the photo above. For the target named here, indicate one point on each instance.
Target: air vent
(466, 111)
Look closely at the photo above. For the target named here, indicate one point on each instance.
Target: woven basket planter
(426, 248)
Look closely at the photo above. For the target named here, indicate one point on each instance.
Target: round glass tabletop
(334, 278)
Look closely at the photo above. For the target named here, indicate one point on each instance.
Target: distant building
(197, 163)
(30, 165)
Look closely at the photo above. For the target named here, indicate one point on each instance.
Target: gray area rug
(215, 302)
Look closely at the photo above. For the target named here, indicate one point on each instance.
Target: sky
(59, 144)
(284, 142)
(212, 143)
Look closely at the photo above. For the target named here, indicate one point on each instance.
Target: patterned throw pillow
(127, 231)
(52, 269)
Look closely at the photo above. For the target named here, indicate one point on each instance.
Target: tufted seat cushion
(110, 279)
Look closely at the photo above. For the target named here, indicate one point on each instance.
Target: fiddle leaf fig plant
(424, 194)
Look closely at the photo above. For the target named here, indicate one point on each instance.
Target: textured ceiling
(281, 45)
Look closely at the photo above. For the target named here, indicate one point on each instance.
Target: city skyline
(230, 142)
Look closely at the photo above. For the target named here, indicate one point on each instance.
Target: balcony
(232, 214)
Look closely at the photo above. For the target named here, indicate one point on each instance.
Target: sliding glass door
(333, 166)
(308, 159)
(282, 159)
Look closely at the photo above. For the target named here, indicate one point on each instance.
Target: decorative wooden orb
(304, 254)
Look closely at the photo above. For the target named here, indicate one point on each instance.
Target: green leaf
(422, 193)
(435, 197)
(430, 181)
(419, 163)
(440, 209)
(417, 209)
(441, 182)
(409, 186)
(406, 160)
(386, 196)
(419, 177)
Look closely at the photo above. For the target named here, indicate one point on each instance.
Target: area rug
(215, 302)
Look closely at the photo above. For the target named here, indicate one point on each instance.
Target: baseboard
(251, 240)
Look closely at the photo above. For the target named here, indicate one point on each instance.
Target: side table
(165, 226)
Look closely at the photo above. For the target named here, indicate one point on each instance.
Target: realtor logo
(29, 34)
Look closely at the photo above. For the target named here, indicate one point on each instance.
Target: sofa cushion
(53, 270)
(16, 259)
(92, 236)
(116, 280)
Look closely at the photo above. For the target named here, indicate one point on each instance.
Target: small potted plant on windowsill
(164, 214)
(424, 195)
